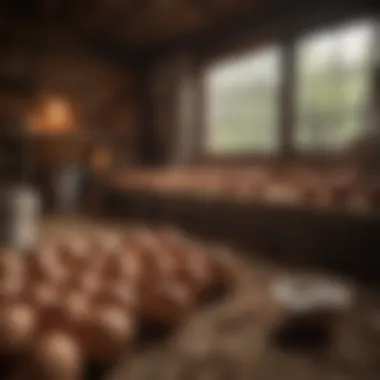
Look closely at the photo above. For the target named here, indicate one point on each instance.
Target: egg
(57, 355)
(89, 282)
(159, 262)
(167, 304)
(11, 264)
(47, 300)
(103, 243)
(197, 270)
(113, 266)
(120, 294)
(71, 315)
(110, 332)
(18, 325)
(170, 236)
(45, 265)
(75, 255)
(76, 308)
(225, 269)
(132, 266)
(96, 264)
(11, 289)
(43, 294)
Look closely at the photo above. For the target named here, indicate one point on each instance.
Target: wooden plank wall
(101, 93)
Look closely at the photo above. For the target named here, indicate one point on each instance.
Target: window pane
(242, 100)
(333, 86)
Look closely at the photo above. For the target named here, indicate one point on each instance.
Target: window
(333, 76)
(243, 104)
(333, 87)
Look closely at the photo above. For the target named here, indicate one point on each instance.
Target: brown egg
(76, 307)
(34, 266)
(47, 300)
(120, 294)
(101, 244)
(140, 235)
(58, 356)
(11, 264)
(110, 332)
(45, 265)
(197, 270)
(44, 293)
(89, 282)
(76, 245)
(69, 313)
(113, 266)
(18, 325)
(165, 261)
(97, 263)
(157, 264)
(166, 305)
(75, 255)
(132, 266)
(225, 269)
(172, 237)
(11, 289)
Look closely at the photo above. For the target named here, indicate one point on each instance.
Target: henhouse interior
(190, 190)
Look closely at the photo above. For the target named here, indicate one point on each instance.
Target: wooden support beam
(287, 106)
(147, 133)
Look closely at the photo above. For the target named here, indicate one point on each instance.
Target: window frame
(288, 150)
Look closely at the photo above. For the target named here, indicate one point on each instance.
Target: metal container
(68, 183)
(20, 216)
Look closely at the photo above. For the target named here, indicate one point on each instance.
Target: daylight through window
(332, 94)
(242, 97)
(333, 77)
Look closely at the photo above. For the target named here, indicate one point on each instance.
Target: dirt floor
(235, 338)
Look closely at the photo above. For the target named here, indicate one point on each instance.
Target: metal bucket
(20, 217)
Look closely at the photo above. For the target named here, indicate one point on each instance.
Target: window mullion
(287, 100)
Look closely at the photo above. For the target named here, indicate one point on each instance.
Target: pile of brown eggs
(83, 299)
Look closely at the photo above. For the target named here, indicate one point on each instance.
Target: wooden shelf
(259, 205)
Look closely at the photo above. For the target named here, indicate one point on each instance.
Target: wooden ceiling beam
(112, 12)
(151, 27)
(110, 25)
(257, 18)
(163, 18)
(49, 8)
(205, 6)
(215, 9)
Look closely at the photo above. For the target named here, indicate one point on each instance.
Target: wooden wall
(101, 92)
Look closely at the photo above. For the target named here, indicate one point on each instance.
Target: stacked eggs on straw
(78, 300)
